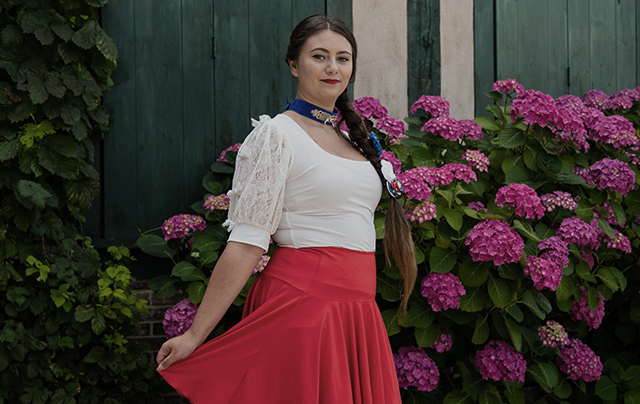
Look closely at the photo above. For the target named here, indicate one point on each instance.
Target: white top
(288, 187)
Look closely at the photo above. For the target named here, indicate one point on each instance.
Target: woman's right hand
(175, 349)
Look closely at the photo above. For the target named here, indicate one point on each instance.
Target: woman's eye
(319, 57)
(343, 59)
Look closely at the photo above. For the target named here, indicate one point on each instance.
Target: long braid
(397, 238)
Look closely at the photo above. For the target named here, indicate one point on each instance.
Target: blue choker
(313, 112)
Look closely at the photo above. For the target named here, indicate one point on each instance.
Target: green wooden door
(190, 75)
(557, 46)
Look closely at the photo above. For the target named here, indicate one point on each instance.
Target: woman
(311, 331)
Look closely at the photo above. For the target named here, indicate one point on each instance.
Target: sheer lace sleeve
(256, 197)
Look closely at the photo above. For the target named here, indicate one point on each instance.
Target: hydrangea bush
(527, 232)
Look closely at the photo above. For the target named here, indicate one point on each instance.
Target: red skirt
(311, 333)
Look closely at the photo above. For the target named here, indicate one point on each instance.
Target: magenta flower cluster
(369, 107)
(578, 361)
(553, 335)
(414, 184)
(443, 344)
(415, 368)
(391, 158)
(477, 160)
(558, 199)
(500, 361)
(494, 240)
(521, 196)
(476, 206)
(217, 202)
(581, 310)
(615, 130)
(442, 291)
(452, 129)
(180, 226)
(623, 99)
(619, 242)
(470, 129)
(507, 86)
(589, 116)
(535, 108)
(544, 272)
(422, 212)
(461, 172)
(392, 126)
(233, 148)
(568, 121)
(596, 99)
(416, 181)
(576, 230)
(178, 319)
(264, 260)
(611, 174)
(432, 104)
(556, 250)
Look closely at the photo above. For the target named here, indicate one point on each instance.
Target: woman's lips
(330, 81)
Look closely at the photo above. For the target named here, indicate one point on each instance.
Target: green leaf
(632, 396)
(632, 200)
(549, 163)
(545, 374)
(566, 176)
(631, 377)
(607, 277)
(529, 300)
(389, 290)
(473, 383)
(87, 36)
(510, 161)
(593, 298)
(606, 389)
(155, 246)
(390, 318)
(584, 272)
(206, 241)
(489, 397)
(163, 286)
(84, 314)
(378, 223)
(515, 332)
(442, 261)
(563, 390)
(543, 302)
(457, 396)
(453, 217)
(32, 191)
(515, 395)
(515, 312)
(474, 300)
(8, 149)
(526, 230)
(473, 274)
(499, 292)
(425, 337)
(606, 228)
(511, 138)
(487, 123)
(196, 290)
(584, 210)
(98, 323)
(420, 314)
(106, 46)
(518, 175)
(183, 269)
(530, 159)
(481, 331)
(222, 168)
(618, 212)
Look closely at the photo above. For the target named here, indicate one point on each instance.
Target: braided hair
(397, 240)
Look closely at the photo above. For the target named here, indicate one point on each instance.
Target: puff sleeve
(256, 198)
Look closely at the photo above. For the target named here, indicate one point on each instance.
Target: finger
(163, 353)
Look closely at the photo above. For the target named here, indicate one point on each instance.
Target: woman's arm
(227, 280)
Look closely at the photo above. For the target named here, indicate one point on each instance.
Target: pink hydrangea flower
(445, 127)
(180, 226)
(477, 206)
(619, 242)
(436, 176)
(611, 174)
(217, 202)
(523, 198)
(623, 99)
(500, 361)
(578, 360)
(261, 264)
(461, 172)
(494, 240)
(582, 172)
(422, 212)
(556, 250)
(570, 102)
(233, 148)
(581, 310)
(535, 107)
(442, 291)
(178, 319)
(369, 107)
(595, 99)
(414, 184)
(392, 126)
(568, 121)
(477, 160)
(578, 140)
(545, 273)
(576, 230)
(558, 199)
(470, 129)
(443, 344)
(553, 335)
(615, 130)
(507, 86)
(415, 368)
(432, 104)
(391, 158)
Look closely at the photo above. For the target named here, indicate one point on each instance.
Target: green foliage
(64, 317)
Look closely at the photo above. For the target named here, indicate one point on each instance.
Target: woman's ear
(293, 67)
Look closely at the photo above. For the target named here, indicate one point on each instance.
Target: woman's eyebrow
(326, 51)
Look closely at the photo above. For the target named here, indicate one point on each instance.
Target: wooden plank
(579, 45)
(533, 33)
(340, 8)
(626, 67)
(159, 122)
(637, 43)
(120, 152)
(557, 48)
(270, 23)
(232, 118)
(507, 34)
(198, 96)
(423, 46)
(602, 44)
(484, 53)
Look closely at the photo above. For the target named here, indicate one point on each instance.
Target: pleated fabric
(311, 333)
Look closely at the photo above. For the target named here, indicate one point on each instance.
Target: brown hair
(397, 238)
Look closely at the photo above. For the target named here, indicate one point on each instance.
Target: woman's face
(323, 68)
